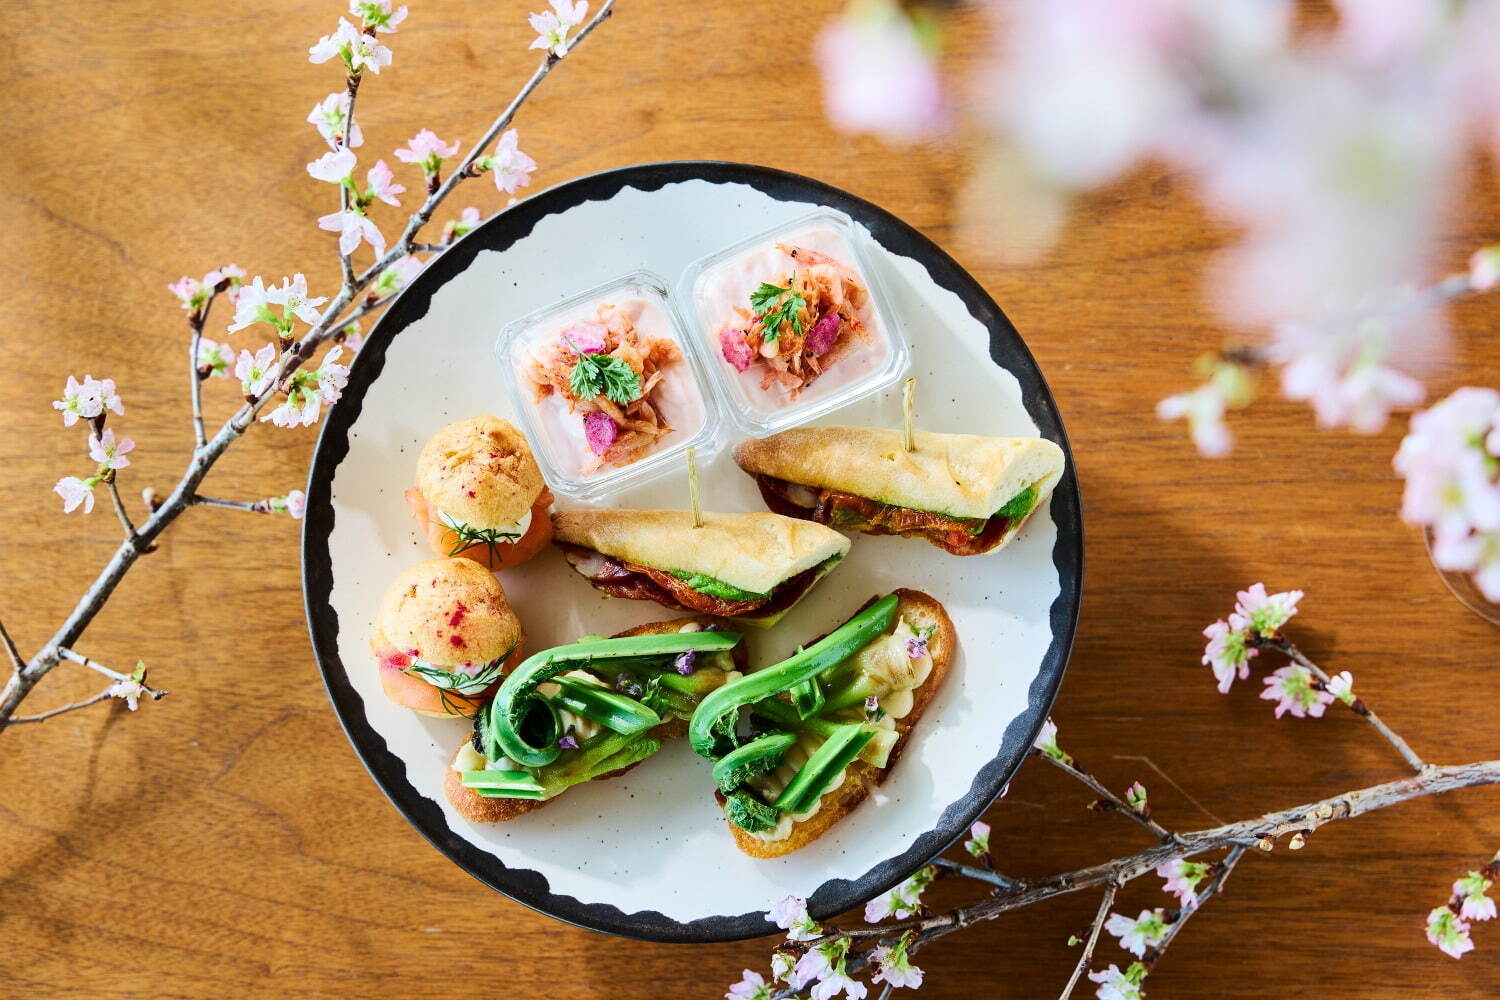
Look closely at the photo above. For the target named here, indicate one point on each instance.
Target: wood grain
(225, 841)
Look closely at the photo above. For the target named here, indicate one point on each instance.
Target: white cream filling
(581, 727)
(469, 759)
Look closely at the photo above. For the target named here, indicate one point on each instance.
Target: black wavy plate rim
(500, 232)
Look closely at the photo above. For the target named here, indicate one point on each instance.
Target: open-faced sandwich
(593, 709)
(444, 635)
(480, 494)
(797, 746)
(961, 492)
(749, 567)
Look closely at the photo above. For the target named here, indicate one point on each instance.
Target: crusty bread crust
(478, 809)
(861, 778)
(960, 475)
(479, 471)
(754, 551)
(451, 611)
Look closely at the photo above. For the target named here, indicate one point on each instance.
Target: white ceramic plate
(648, 855)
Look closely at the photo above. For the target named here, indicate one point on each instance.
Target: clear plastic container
(713, 286)
(557, 436)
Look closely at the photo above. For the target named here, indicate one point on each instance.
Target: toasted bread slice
(921, 611)
(480, 809)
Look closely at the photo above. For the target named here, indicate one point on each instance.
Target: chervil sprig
(776, 305)
(603, 375)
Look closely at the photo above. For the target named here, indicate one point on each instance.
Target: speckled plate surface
(648, 855)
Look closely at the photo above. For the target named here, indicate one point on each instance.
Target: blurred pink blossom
(880, 74)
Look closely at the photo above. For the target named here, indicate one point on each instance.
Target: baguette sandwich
(749, 567)
(590, 710)
(444, 634)
(963, 493)
(826, 725)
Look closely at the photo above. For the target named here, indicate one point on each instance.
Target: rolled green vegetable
(876, 753)
(823, 766)
(756, 757)
(749, 813)
(808, 698)
(610, 709)
(518, 693)
(716, 713)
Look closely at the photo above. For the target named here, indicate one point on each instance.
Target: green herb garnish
(603, 375)
(466, 536)
(774, 310)
(1019, 505)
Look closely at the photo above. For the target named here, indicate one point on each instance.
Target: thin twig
(1213, 888)
(120, 512)
(1108, 900)
(428, 247)
(73, 656)
(94, 598)
(979, 874)
(70, 707)
(14, 654)
(197, 321)
(1358, 707)
(253, 506)
(1110, 798)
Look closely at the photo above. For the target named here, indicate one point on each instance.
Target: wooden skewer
(692, 462)
(908, 391)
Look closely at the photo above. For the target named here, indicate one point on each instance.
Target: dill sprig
(603, 375)
(776, 305)
(466, 536)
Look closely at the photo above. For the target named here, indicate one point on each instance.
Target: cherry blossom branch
(1105, 903)
(253, 506)
(977, 874)
(1108, 799)
(74, 706)
(197, 319)
(10, 649)
(119, 505)
(1282, 644)
(140, 539)
(1213, 888)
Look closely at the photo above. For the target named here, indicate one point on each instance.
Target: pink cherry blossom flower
(353, 339)
(189, 292)
(1292, 689)
(879, 75)
(1449, 932)
(332, 376)
(782, 965)
(377, 14)
(426, 149)
(358, 50)
(1227, 653)
(300, 409)
(293, 504)
(1447, 459)
(253, 306)
(1484, 269)
(291, 295)
(1471, 891)
(838, 982)
(397, 276)
(128, 690)
(752, 986)
(461, 226)
(1145, 931)
(902, 901)
(87, 400)
(380, 183)
(1046, 742)
(1265, 613)
(1360, 395)
(586, 338)
(511, 167)
(75, 491)
(329, 115)
(335, 167)
(109, 452)
(893, 965)
(1341, 686)
(1117, 985)
(233, 273)
(552, 26)
(214, 358)
(1182, 880)
(256, 371)
(791, 916)
(352, 227)
(978, 842)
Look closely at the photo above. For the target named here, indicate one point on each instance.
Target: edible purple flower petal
(916, 647)
(567, 743)
(684, 662)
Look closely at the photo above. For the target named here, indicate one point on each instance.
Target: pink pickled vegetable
(823, 334)
(735, 348)
(585, 338)
(600, 432)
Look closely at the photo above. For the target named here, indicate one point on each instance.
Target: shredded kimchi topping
(800, 323)
(619, 427)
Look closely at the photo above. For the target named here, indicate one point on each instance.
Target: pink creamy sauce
(721, 289)
(677, 397)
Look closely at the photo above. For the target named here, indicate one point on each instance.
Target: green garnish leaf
(604, 375)
(750, 814)
(705, 584)
(1019, 505)
(776, 305)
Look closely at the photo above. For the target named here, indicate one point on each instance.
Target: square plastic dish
(557, 436)
(713, 286)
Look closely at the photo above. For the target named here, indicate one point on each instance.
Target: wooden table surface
(226, 841)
